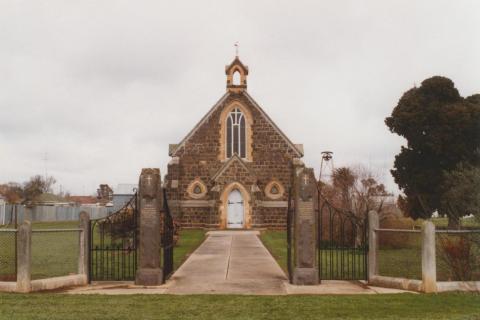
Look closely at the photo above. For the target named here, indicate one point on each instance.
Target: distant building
(49, 199)
(122, 194)
(84, 201)
(105, 194)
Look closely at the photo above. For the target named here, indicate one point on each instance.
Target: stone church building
(233, 169)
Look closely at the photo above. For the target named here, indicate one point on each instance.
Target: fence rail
(428, 260)
(8, 254)
(16, 214)
(398, 230)
(55, 252)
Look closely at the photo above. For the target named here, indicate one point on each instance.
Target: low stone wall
(396, 283)
(429, 281)
(444, 286)
(25, 284)
(59, 282)
(8, 286)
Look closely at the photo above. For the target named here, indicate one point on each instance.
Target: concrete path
(231, 262)
(234, 262)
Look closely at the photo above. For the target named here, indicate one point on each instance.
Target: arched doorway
(235, 210)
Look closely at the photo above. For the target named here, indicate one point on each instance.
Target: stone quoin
(233, 169)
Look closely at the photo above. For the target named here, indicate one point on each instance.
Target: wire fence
(55, 252)
(8, 255)
(400, 253)
(458, 255)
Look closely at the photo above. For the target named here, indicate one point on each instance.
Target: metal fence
(8, 254)
(55, 252)
(457, 255)
(399, 253)
(18, 213)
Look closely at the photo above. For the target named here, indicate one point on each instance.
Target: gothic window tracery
(236, 139)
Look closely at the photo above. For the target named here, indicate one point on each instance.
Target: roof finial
(236, 49)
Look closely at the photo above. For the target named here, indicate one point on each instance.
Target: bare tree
(12, 192)
(37, 185)
(368, 192)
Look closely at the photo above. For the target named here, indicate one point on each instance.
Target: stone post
(429, 265)
(24, 257)
(173, 175)
(373, 223)
(84, 244)
(305, 270)
(151, 200)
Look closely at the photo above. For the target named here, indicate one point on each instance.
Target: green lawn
(404, 262)
(198, 307)
(189, 240)
(276, 242)
(56, 253)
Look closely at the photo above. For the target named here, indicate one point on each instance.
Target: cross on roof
(305, 178)
(149, 180)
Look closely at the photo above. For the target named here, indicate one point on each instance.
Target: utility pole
(45, 160)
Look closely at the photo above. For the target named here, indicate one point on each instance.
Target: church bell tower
(237, 74)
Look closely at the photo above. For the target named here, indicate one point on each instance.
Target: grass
(403, 262)
(276, 242)
(443, 222)
(198, 307)
(190, 239)
(56, 253)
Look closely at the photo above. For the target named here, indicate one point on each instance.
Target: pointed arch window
(236, 139)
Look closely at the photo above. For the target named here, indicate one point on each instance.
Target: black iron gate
(113, 245)
(290, 211)
(342, 243)
(168, 243)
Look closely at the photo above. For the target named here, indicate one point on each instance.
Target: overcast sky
(102, 87)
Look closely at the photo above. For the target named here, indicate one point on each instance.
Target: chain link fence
(55, 252)
(400, 253)
(458, 255)
(8, 254)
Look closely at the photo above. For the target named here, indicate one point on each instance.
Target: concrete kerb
(25, 284)
(429, 283)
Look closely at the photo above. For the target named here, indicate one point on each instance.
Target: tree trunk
(453, 222)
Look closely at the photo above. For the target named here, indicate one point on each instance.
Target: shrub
(396, 240)
(457, 254)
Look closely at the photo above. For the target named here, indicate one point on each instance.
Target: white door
(235, 210)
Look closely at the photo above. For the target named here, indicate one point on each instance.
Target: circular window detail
(274, 190)
(196, 189)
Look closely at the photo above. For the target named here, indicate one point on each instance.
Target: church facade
(233, 169)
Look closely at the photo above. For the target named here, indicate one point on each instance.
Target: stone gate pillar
(150, 202)
(305, 271)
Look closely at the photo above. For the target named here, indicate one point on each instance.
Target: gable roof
(270, 121)
(227, 164)
(236, 62)
(174, 148)
(83, 199)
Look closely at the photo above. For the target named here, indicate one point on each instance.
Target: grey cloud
(104, 86)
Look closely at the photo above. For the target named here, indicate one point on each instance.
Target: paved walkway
(229, 262)
(232, 262)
